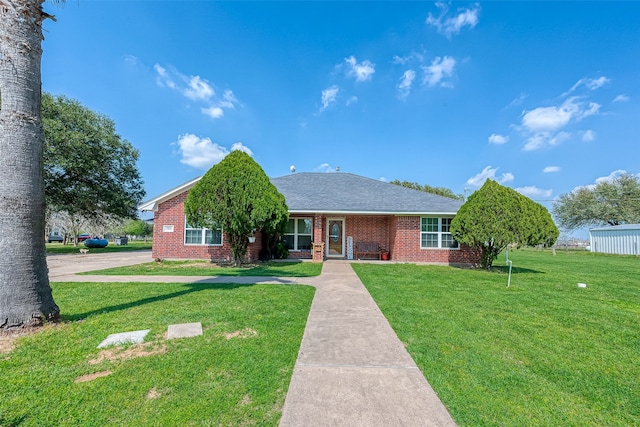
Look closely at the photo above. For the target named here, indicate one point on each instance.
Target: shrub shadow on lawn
(191, 288)
(504, 269)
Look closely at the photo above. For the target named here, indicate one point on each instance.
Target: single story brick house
(331, 216)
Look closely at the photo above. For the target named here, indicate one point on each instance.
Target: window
(299, 233)
(202, 236)
(435, 233)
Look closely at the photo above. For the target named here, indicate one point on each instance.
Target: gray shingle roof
(348, 193)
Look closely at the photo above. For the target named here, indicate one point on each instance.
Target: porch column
(318, 239)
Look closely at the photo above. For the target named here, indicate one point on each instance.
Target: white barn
(619, 239)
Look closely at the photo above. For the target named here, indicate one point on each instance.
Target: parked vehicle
(83, 237)
(55, 237)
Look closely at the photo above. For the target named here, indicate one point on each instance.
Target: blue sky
(541, 96)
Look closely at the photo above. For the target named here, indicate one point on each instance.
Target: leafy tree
(609, 202)
(440, 191)
(90, 172)
(238, 196)
(496, 216)
(25, 293)
(138, 228)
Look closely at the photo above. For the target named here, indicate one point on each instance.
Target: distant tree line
(440, 191)
(613, 202)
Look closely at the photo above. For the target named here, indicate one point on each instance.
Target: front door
(335, 238)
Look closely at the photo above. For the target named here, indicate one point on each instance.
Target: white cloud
(543, 123)
(228, 100)
(131, 60)
(594, 108)
(239, 146)
(439, 69)
(611, 177)
(533, 191)
(489, 173)
(559, 138)
(163, 78)
(546, 119)
(453, 25)
(329, 96)
(535, 142)
(413, 56)
(519, 100)
(588, 136)
(591, 84)
(383, 179)
(542, 139)
(196, 89)
(352, 100)
(550, 119)
(404, 87)
(495, 138)
(213, 112)
(551, 169)
(199, 153)
(325, 167)
(621, 98)
(362, 71)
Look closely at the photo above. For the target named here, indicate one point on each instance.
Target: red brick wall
(366, 228)
(171, 244)
(400, 234)
(405, 245)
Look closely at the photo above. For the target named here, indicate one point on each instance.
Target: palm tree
(25, 294)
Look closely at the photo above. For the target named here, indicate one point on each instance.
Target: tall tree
(90, 171)
(612, 202)
(25, 293)
(238, 196)
(138, 227)
(496, 216)
(440, 191)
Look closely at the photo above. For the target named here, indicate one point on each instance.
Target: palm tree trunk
(25, 294)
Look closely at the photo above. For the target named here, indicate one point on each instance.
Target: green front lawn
(59, 248)
(543, 352)
(205, 268)
(237, 373)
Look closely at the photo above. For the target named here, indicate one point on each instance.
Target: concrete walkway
(352, 370)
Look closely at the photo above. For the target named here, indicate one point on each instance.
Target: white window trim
(202, 236)
(440, 233)
(295, 233)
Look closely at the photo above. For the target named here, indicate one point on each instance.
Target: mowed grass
(237, 373)
(543, 352)
(58, 248)
(205, 268)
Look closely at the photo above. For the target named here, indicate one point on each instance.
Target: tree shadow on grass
(12, 422)
(191, 288)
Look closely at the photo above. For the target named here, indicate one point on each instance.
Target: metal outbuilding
(618, 239)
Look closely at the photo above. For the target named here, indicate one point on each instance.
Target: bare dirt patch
(93, 376)
(245, 333)
(246, 400)
(6, 343)
(130, 352)
(153, 393)
(8, 337)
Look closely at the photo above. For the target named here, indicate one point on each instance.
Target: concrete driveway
(67, 265)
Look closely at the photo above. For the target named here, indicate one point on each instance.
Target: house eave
(152, 205)
(342, 212)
